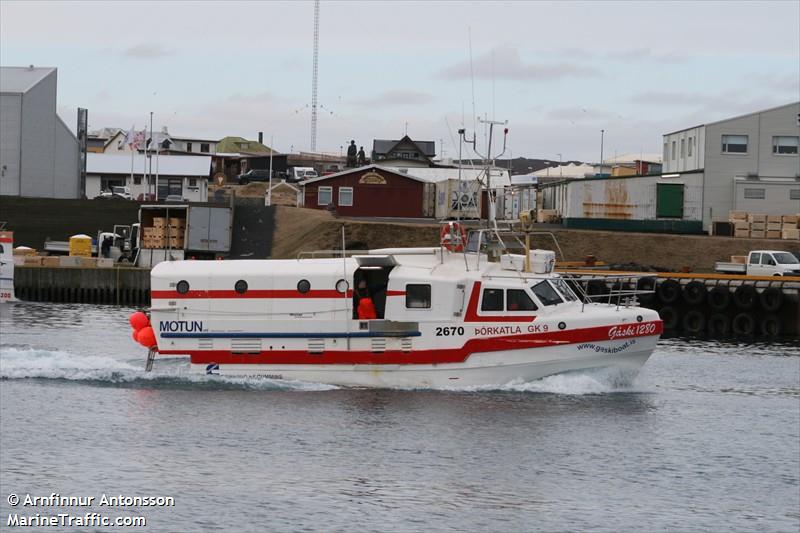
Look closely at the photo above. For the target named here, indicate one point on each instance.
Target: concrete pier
(113, 286)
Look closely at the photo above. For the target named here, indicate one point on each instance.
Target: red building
(371, 191)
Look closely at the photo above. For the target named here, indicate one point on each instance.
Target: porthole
(342, 286)
(240, 286)
(182, 287)
(303, 286)
(562, 325)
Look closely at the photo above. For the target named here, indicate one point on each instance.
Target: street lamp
(602, 133)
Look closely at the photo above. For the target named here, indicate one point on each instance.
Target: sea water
(706, 439)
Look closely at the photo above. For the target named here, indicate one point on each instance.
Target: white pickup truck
(764, 263)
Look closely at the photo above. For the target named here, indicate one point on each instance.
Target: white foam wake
(31, 363)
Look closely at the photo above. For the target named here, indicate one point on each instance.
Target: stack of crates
(757, 226)
(165, 233)
(176, 231)
(790, 228)
(741, 227)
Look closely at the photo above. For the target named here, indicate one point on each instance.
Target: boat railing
(624, 290)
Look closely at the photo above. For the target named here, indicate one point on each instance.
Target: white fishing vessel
(444, 317)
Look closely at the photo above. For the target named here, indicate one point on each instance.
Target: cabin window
(303, 286)
(182, 287)
(564, 289)
(345, 196)
(342, 286)
(546, 293)
(518, 300)
(418, 296)
(755, 258)
(492, 300)
(240, 286)
(324, 195)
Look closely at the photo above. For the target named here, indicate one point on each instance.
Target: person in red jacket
(365, 308)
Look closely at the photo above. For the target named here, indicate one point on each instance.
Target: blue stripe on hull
(327, 335)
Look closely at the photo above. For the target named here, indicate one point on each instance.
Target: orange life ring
(447, 234)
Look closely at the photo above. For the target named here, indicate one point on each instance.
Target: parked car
(116, 193)
(763, 263)
(298, 174)
(174, 198)
(252, 175)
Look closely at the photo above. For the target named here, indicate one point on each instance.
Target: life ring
(694, 293)
(743, 324)
(771, 299)
(719, 325)
(669, 291)
(745, 296)
(719, 298)
(451, 231)
(771, 326)
(694, 321)
(669, 315)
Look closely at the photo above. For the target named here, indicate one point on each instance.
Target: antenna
(314, 78)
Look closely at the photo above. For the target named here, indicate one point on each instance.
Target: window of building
(691, 142)
(492, 300)
(666, 151)
(755, 194)
(188, 147)
(734, 144)
(170, 186)
(794, 194)
(192, 182)
(669, 200)
(418, 296)
(683, 148)
(137, 180)
(546, 293)
(673, 150)
(324, 195)
(785, 144)
(345, 196)
(518, 300)
(204, 148)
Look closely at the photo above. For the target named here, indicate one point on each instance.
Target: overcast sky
(558, 72)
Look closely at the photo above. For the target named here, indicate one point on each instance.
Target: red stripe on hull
(417, 357)
(257, 293)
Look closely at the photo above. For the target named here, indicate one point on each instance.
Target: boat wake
(585, 382)
(18, 362)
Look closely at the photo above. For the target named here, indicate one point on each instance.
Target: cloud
(146, 51)
(506, 63)
(397, 98)
(646, 54)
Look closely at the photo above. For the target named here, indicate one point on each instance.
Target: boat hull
(624, 356)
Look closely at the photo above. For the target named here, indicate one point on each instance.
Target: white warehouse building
(749, 163)
(39, 155)
(170, 175)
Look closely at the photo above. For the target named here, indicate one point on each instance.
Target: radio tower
(314, 79)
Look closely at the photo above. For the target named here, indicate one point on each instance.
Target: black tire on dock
(719, 325)
(596, 287)
(646, 284)
(669, 315)
(745, 297)
(743, 324)
(719, 298)
(669, 291)
(771, 299)
(694, 293)
(771, 326)
(694, 321)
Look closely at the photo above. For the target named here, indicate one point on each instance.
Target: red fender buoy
(138, 320)
(146, 337)
(135, 335)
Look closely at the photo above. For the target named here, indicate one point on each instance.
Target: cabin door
(371, 282)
